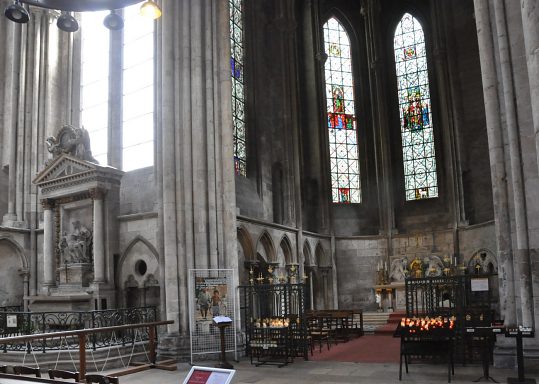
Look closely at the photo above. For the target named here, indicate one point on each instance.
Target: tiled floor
(311, 372)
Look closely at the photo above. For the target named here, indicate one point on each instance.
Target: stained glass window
(238, 96)
(341, 116)
(420, 176)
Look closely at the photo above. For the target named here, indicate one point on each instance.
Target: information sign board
(11, 321)
(479, 284)
(207, 375)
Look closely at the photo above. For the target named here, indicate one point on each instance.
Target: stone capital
(47, 203)
(97, 194)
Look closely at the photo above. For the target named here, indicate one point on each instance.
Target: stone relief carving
(76, 246)
(73, 141)
(429, 265)
(399, 269)
(434, 265)
(151, 281)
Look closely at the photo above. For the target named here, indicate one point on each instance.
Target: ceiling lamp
(66, 22)
(150, 9)
(113, 21)
(17, 13)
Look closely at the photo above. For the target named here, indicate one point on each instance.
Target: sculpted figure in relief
(75, 247)
(399, 269)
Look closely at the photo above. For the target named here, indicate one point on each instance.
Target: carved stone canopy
(68, 175)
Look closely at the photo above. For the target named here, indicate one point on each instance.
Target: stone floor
(310, 372)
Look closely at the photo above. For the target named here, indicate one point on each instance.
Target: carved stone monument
(80, 230)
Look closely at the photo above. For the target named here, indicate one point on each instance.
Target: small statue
(73, 141)
(399, 269)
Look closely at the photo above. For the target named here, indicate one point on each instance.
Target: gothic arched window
(238, 95)
(341, 116)
(419, 160)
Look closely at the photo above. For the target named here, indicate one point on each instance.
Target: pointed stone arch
(14, 267)
(265, 248)
(485, 259)
(246, 253)
(139, 260)
(19, 251)
(246, 243)
(322, 260)
(307, 253)
(285, 247)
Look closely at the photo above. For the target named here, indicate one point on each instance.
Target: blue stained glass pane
(341, 115)
(238, 95)
(420, 175)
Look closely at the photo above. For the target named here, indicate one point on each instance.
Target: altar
(390, 297)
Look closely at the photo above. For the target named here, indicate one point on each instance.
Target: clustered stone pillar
(197, 205)
(530, 23)
(98, 235)
(48, 244)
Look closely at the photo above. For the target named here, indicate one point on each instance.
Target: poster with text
(211, 298)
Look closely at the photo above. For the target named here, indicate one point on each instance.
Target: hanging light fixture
(17, 13)
(66, 22)
(150, 9)
(113, 21)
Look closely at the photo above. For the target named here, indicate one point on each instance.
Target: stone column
(530, 23)
(11, 75)
(48, 245)
(521, 254)
(98, 236)
(497, 162)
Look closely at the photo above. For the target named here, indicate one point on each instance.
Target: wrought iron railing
(28, 323)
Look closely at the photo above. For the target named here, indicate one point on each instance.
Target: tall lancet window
(95, 82)
(420, 176)
(238, 85)
(131, 53)
(138, 90)
(341, 115)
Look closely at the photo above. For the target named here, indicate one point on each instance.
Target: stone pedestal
(60, 302)
(76, 275)
(174, 346)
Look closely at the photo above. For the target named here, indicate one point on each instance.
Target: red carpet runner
(365, 349)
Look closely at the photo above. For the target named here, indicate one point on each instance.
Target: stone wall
(138, 192)
(356, 259)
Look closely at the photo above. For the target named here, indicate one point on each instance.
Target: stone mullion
(448, 112)
(497, 162)
(380, 124)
